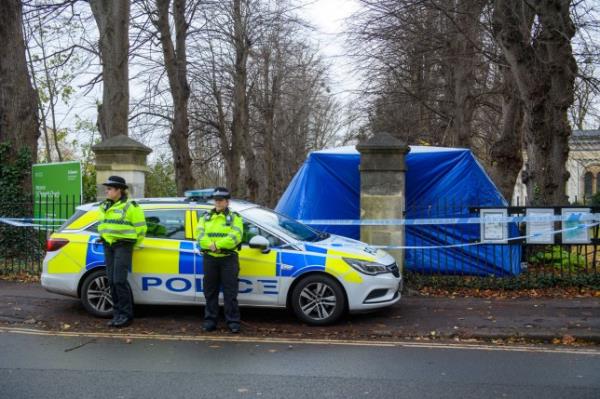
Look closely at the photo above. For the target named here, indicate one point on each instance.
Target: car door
(164, 268)
(258, 280)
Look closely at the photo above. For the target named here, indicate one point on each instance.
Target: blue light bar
(199, 194)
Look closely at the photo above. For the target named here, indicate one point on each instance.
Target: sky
(326, 16)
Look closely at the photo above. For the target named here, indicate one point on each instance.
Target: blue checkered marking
(300, 261)
(94, 256)
(186, 258)
(316, 260)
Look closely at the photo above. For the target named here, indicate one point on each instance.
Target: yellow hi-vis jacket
(225, 229)
(121, 220)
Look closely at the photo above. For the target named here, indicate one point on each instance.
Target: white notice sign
(573, 222)
(540, 231)
(494, 228)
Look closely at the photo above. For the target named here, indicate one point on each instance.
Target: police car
(283, 263)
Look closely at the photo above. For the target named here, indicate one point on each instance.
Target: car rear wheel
(95, 294)
(318, 300)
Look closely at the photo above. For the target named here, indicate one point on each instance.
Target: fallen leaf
(568, 339)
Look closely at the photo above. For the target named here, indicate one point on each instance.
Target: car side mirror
(259, 242)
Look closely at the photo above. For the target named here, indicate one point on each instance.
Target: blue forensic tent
(440, 183)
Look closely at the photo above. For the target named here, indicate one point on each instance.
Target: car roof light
(199, 195)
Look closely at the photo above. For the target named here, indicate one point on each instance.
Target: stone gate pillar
(125, 157)
(382, 190)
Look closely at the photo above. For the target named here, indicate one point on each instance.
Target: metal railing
(24, 227)
(457, 250)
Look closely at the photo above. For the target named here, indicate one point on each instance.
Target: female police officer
(122, 226)
(219, 235)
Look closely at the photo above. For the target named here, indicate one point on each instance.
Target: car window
(277, 222)
(166, 223)
(251, 230)
(93, 228)
(73, 218)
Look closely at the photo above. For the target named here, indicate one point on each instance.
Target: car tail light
(54, 244)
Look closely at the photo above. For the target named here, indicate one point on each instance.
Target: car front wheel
(318, 300)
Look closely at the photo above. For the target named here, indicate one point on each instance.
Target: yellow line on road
(292, 341)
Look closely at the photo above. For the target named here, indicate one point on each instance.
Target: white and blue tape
(575, 217)
(579, 218)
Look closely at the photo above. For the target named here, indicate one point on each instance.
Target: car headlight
(366, 266)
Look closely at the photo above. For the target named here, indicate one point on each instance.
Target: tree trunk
(506, 156)
(536, 41)
(240, 140)
(19, 124)
(112, 18)
(267, 98)
(464, 30)
(42, 112)
(175, 58)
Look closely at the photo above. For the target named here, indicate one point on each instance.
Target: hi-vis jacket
(121, 220)
(225, 229)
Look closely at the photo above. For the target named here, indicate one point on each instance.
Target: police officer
(122, 226)
(219, 235)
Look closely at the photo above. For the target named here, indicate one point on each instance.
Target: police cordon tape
(29, 222)
(574, 217)
(553, 232)
(282, 249)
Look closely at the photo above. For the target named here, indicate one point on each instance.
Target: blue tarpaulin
(440, 183)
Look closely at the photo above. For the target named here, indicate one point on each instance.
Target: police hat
(221, 193)
(115, 181)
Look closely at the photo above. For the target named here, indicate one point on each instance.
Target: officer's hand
(213, 247)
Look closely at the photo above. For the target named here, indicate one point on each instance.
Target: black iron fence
(24, 227)
(440, 249)
(458, 249)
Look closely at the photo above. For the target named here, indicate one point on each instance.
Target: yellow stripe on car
(157, 256)
(336, 266)
(71, 258)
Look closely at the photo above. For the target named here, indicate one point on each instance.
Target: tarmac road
(55, 365)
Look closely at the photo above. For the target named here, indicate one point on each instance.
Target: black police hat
(221, 193)
(116, 181)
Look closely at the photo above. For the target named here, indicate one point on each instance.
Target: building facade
(583, 166)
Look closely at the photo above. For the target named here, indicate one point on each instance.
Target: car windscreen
(277, 222)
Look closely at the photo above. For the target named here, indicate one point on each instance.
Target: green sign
(57, 191)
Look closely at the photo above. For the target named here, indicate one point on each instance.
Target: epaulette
(134, 203)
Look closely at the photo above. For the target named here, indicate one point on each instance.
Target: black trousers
(221, 272)
(118, 264)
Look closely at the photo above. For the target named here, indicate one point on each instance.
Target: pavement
(423, 318)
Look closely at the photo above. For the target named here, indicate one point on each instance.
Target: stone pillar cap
(382, 141)
(121, 143)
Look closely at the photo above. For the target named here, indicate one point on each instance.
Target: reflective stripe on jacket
(121, 220)
(226, 236)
